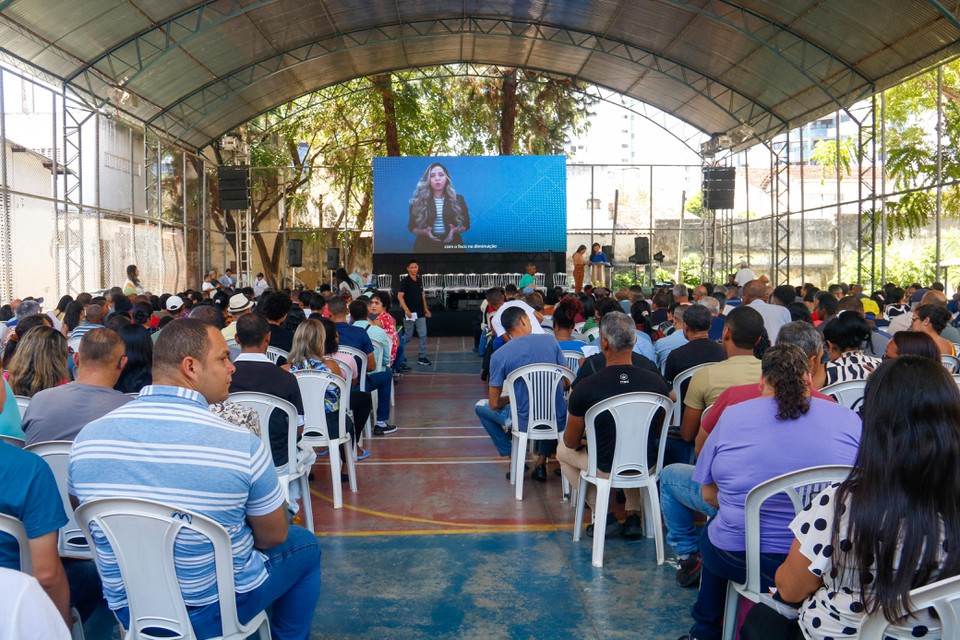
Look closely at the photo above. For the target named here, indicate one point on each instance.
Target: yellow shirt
(708, 383)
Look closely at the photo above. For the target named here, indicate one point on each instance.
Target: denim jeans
(401, 352)
(681, 500)
(381, 383)
(494, 421)
(86, 593)
(293, 588)
(720, 567)
(421, 324)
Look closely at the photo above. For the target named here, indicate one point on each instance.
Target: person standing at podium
(598, 259)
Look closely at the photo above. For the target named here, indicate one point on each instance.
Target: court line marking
(439, 523)
(482, 435)
(430, 461)
(531, 528)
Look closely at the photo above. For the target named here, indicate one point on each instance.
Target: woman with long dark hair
(564, 318)
(132, 286)
(62, 307)
(783, 430)
(71, 317)
(579, 264)
(912, 343)
(345, 283)
(890, 527)
(136, 373)
(438, 214)
(846, 337)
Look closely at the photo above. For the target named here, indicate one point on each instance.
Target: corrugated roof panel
(359, 14)
(372, 59)
(289, 25)
(654, 24)
(160, 10)
(229, 45)
(561, 58)
(422, 53)
(594, 17)
(175, 76)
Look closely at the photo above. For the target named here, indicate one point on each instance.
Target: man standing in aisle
(415, 312)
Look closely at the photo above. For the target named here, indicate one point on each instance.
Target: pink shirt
(736, 395)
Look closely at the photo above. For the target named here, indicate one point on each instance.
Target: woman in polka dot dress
(848, 560)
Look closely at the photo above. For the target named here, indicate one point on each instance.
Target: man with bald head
(755, 296)
(903, 321)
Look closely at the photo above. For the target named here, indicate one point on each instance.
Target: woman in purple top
(784, 430)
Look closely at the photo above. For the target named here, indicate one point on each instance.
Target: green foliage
(827, 155)
(906, 264)
(690, 269)
(695, 204)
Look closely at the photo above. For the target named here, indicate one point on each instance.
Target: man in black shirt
(415, 311)
(255, 372)
(699, 349)
(275, 307)
(617, 336)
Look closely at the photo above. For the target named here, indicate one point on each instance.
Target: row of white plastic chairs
(444, 283)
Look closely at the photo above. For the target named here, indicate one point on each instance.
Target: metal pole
(837, 167)
(650, 268)
(203, 248)
(803, 215)
(7, 270)
(883, 188)
(592, 209)
(936, 273)
(746, 179)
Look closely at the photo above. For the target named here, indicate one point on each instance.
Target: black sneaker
(384, 429)
(424, 362)
(632, 527)
(613, 526)
(688, 574)
(405, 367)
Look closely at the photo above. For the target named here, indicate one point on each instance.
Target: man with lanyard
(413, 301)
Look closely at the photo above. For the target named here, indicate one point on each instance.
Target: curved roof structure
(749, 68)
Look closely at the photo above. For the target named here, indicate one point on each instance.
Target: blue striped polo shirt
(166, 446)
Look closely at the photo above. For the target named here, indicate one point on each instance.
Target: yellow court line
(445, 459)
(531, 528)
(391, 516)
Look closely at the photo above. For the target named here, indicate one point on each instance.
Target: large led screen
(469, 204)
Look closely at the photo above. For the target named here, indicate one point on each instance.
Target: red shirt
(736, 395)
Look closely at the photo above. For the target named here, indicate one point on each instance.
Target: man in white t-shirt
(744, 275)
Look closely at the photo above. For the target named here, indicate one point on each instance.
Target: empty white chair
(13, 441)
(634, 414)
(950, 363)
(801, 487)
(472, 282)
(313, 387)
(384, 282)
(849, 393)
(573, 357)
(298, 464)
(275, 353)
(678, 380)
(540, 279)
(542, 382)
(943, 596)
(70, 541)
(560, 280)
(131, 527)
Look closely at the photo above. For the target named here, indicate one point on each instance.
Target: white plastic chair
(70, 541)
(560, 280)
(432, 284)
(361, 359)
(296, 469)
(950, 363)
(956, 378)
(542, 382)
(275, 353)
(13, 441)
(22, 403)
(592, 334)
(232, 343)
(384, 282)
(943, 596)
(540, 279)
(472, 282)
(73, 345)
(678, 381)
(634, 414)
(579, 337)
(801, 487)
(132, 527)
(573, 357)
(849, 393)
(313, 387)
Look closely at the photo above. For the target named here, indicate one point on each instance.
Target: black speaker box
(333, 257)
(608, 249)
(641, 250)
(295, 252)
(234, 187)
(718, 187)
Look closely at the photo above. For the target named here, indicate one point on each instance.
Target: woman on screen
(438, 215)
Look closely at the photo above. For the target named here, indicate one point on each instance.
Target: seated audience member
(10, 413)
(256, 372)
(597, 361)
(681, 293)
(783, 296)
(275, 306)
(40, 362)
(61, 412)
(523, 347)
(379, 313)
(564, 319)
(895, 305)
(139, 353)
(27, 611)
(680, 495)
(782, 431)
(846, 337)
(379, 381)
(826, 310)
(699, 349)
(309, 354)
(755, 296)
(741, 336)
(912, 343)
(238, 305)
(617, 335)
(143, 315)
(640, 313)
(717, 319)
(18, 332)
(876, 346)
(360, 314)
(800, 311)
(665, 345)
(28, 492)
(846, 534)
(589, 304)
(361, 402)
(71, 317)
(905, 321)
(932, 320)
(273, 564)
(661, 303)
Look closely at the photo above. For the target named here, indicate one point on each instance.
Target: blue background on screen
(516, 203)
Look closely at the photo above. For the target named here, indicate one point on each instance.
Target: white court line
(484, 435)
(427, 462)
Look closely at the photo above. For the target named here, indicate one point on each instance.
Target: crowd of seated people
(99, 368)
